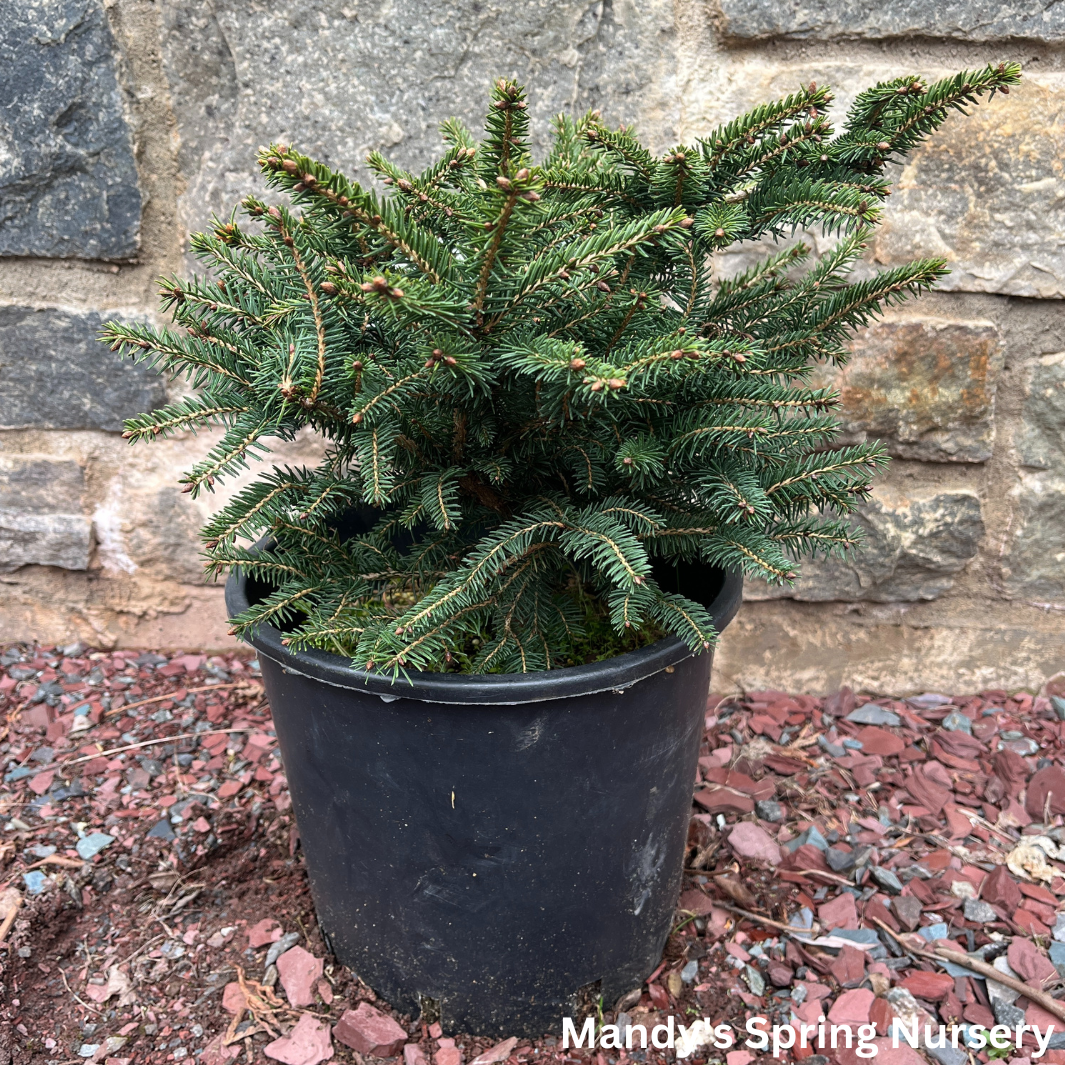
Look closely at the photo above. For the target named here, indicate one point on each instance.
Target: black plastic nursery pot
(495, 851)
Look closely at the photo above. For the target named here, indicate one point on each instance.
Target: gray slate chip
(932, 932)
(886, 879)
(858, 935)
(286, 942)
(768, 810)
(947, 1055)
(812, 836)
(840, 861)
(1006, 1013)
(89, 846)
(956, 721)
(978, 910)
(834, 749)
(871, 714)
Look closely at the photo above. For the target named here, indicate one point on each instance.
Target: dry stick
(989, 972)
(9, 920)
(827, 876)
(168, 695)
(55, 859)
(147, 743)
(80, 1002)
(761, 920)
(52, 859)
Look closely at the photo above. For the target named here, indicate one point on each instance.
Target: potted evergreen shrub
(554, 441)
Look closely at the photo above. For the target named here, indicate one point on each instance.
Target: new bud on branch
(532, 374)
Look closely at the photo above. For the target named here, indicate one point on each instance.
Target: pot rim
(492, 689)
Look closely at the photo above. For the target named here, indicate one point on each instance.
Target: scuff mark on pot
(530, 736)
(648, 866)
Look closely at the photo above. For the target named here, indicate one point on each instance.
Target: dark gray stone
(886, 879)
(946, 1055)
(337, 78)
(768, 810)
(41, 519)
(68, 183)
(162, 830)
(913, 547)
(840, 861)
(966, 20)
(63, 377)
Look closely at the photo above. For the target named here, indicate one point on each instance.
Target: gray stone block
(41, 521)
(913, 548)
(967, 20)
(57, 374)
(68, 183)
(1034, 565)
(923, 386)
(338, 78)
(1041, 439)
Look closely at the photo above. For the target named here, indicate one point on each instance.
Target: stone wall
(129, 122)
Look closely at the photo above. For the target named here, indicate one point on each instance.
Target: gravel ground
(157, 905)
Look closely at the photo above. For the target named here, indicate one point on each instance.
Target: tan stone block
(986, 192)
(924, 386)
(901, 649)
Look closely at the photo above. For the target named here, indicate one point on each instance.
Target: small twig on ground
(939, 955)
(828, 876)
(52, 859)
(168, 695)
(9, 920)
(786, 928)
(80, 1002)
(140, 950)
(9, 721)
(147, 743)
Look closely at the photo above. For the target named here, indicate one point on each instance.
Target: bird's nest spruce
(532, 380)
